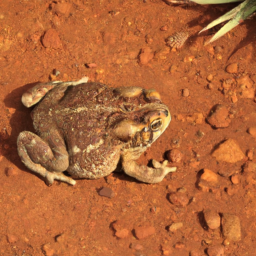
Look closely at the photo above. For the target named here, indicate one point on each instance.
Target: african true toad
(86, 129)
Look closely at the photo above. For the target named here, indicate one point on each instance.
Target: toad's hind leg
(37, 155)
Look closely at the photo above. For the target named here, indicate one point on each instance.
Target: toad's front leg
(144, 173)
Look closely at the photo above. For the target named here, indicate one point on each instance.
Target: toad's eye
(156, 125)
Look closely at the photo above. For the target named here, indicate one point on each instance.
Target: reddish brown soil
(64, 220)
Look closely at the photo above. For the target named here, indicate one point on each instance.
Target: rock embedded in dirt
(62, 8)
(137, 247)
(12, 238)
(196, 253)
(174, 155)
(123, 233)
(231, 227)
(216, 250)
(179, 245)
(10, 171)
(212, 219)
(48, 250)
(252, 131)
(179, 199)
(91, 65)
(244, 81)
(235, 179)
(185, 92)
(175, 226)
(51, 39)
(247, 93)
(208, 181)
(250, 154)
(210, 176)
(121, 230)
(144, 232)
(209, 78)
(107, 192)
(146, 55)
(228, 151)
(249, 167)
(219, 117)
(232, 68)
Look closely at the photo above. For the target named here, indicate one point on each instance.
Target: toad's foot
(147, 174)
(51, 176)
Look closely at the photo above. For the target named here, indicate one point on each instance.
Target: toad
(88, 129)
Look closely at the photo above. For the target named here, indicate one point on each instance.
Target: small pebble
(247, 93)
(91, 65)
(235, 179)
(174, 155)
(232, 68)
(164, 28)
(244, 81)
(209, 176)
(209, 77)
(175, 226)
(107, 192)
(252, 131)
(185, 92)
(212, 219)
(145, 56)
(48, 250)
(231, 227)
(216, 250)
(51, 39)
(144, 232)
(12, 238)
(218, 49)
(10, 172)
(218, 56)
(137, 247)
(249, 167)
(179, 245)
(123, 233)
(249, 154)
(228, 151)
(173, 68)
(210, 86)
(179, 199)
(219, 117)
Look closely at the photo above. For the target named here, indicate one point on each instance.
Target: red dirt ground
(75, 220)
